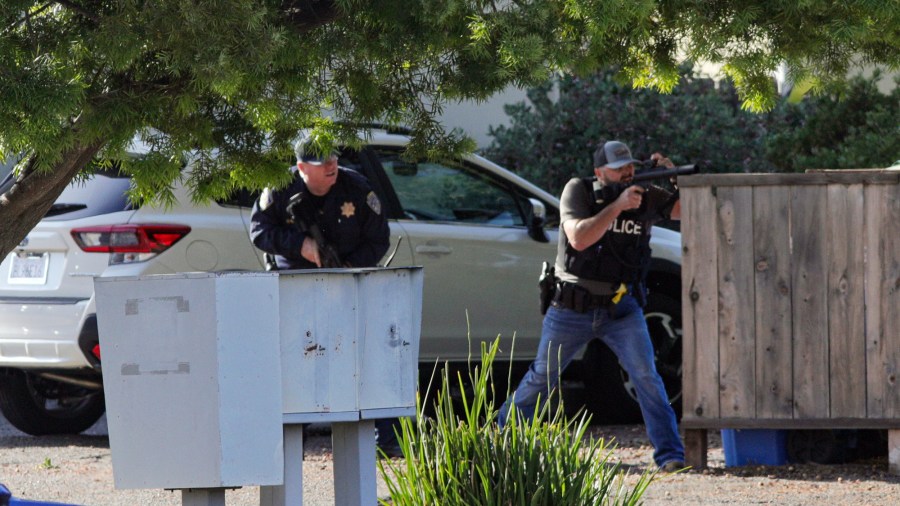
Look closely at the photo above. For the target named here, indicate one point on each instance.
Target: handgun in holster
(547, 284)
(271, 264)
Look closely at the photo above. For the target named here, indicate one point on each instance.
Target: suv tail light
(129, 243)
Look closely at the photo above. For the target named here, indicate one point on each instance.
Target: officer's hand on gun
(633, 195)
(310, 251)
(660, 160)
(323, 256)
(631, 198)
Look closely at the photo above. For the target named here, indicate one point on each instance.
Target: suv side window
(450, 192)
(240, 198)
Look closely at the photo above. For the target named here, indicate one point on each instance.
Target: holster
(271, 264)
(547, 284)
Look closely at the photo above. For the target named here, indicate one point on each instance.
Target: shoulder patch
(373, 202)
(266, 199)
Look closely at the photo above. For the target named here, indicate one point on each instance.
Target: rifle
(642, 179)
(654, 173)
(327, 253)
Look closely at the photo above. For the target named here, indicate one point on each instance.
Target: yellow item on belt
(622, 290)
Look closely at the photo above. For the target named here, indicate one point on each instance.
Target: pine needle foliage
(463, 458)
(230, 82)
(551, 137)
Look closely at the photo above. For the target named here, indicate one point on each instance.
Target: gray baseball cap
(304, 149)
(613, 154)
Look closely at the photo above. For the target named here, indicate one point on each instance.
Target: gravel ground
(77, 470)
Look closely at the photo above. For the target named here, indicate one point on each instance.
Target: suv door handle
(433, 249)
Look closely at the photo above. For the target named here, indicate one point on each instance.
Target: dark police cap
(308, 151)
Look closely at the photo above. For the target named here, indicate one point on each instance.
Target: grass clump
(465, 459)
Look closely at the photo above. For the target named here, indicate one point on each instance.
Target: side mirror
(536, 219)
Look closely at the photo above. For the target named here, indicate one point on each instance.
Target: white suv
(480, 231)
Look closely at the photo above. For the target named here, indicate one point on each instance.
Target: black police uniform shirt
(350, 216)
(578, 202)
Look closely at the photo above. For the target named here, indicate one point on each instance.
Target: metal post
(354, 463)
(203, 497)
(291, 493)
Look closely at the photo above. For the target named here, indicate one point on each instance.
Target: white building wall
(474, 118)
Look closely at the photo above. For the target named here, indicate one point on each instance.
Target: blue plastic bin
(6, 499)
(745, 447)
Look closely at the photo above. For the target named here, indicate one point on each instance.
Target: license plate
(29, 268)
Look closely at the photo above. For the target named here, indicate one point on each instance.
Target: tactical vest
(622, 255)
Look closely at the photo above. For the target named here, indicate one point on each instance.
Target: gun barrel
(682, 170)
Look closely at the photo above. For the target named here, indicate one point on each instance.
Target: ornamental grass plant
(461, 457)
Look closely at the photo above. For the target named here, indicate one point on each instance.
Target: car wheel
(612, 397)
(817, 446)
(431, 383)
(39, 407)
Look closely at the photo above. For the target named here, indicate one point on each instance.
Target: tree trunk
(32, 195)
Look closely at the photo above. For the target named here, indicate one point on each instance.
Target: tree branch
(79, 9)
(26, 17)
(65, 3)
(307, 15)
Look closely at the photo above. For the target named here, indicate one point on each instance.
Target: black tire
(609, 394)
(42, 407)
(433, 377)
(816, 446)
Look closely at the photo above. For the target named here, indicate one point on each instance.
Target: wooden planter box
(791, 303)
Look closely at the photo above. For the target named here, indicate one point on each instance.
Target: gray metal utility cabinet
(349, 355)
(350, 343)
(209, 376)
(192, 379)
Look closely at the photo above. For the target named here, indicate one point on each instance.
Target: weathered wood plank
(699, 342)
(883, 300)
(894, 451)
(846, 303)
(890, 309)
(696, 447)
(791, 423)
(774, 389)
(809, 301)
(793, 179)
(737, 335)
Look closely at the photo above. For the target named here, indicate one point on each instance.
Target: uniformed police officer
(338, 206)
(601, 263)
(338, 201)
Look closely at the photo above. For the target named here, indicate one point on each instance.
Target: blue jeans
(566, 331)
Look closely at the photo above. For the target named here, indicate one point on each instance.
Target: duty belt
(578, 298)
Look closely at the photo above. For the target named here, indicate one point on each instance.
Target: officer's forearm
(584, 232)
(676, 211)
(286, 242)
(367, 255)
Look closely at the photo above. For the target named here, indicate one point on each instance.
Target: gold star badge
(348, 209)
